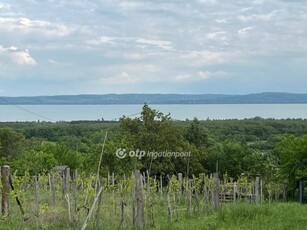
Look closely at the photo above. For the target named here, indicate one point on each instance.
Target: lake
(178, 111)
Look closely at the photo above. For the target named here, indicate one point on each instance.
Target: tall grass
(243, 216)
(238, 216)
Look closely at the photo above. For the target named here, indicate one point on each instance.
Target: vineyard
(240, 175)
(70, 200)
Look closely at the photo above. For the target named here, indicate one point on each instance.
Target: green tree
(197, 134)
(11, 144)
(234, 159)
(292, 154)
(63, 155)
(155, 132)
(34, 162)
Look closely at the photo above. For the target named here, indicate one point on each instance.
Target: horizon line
(119, 94)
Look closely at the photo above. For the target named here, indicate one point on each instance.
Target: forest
(276, 150)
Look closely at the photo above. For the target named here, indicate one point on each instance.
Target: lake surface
(178, 112)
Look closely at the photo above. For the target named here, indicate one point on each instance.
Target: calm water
(179, 112)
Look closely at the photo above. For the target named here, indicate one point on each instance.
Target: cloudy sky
(50, 47)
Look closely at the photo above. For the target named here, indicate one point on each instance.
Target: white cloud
(221, 21)
(121, 79)
(4, 8)
(217, 36)
(204, 75)
(20, 57)
(245, 30)
(52, 61)
(251, 18)
(166, 45)
(134, 55)
(205, 57)
(2, 48)
(129, 5)
(207, 1)
(182, 77)
(102, 40)
(258, 2)
(200, 76)
(246, 9)
(142, 42)
(13, 48)
(25, 25)
(129, 74)
(60, 64)
(262, 17)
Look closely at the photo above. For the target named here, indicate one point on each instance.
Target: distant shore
(117, 99)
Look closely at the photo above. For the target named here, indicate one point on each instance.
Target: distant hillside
(258, 98)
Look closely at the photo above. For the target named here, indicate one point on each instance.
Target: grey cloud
(120, 39)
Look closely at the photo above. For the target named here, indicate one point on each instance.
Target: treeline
(274, 149)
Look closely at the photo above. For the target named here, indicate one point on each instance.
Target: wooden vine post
(257, 188)
(217, 193)
(139, 200)
(5, 178)
(180, 183)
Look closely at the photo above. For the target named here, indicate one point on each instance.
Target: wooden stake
(122, 220)
(99, 207)
(234, 191)
(180, 182)
(5, 177)
(139, 198)
(99, 164)
(217, 193)
(68, 207)
(169, 208)
(257, 195)
(87, 219)
(36, 190)
(52, 183)
(67, 179)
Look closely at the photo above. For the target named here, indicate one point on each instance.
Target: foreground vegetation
(279, 216)
(274, 149)
(275, 216)
(49, 205)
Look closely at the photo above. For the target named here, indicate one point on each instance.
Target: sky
(52, 47)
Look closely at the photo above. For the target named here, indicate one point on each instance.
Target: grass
(279, 216)
(237, 216)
